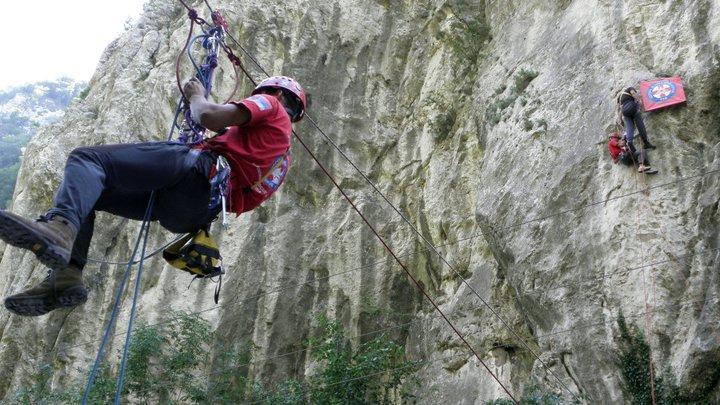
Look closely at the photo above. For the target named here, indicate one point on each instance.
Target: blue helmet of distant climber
(294, 94)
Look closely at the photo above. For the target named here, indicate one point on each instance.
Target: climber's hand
(194, 88)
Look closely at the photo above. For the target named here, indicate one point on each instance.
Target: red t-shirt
(614, 149)
(251, 149)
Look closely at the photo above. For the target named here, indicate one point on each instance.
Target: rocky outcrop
(485, 124)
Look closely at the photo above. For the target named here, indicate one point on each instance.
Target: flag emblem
(260, 101)
(662, 91)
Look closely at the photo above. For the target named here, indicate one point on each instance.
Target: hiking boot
(50, 238)
(60, 289)
(646, 170)
(649, 146)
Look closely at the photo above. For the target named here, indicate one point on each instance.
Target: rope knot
(192, 14)
(234, 59)
(212, 61)
(219, 20)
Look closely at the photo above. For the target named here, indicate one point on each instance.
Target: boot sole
(18, 234)
(30, 306)
(72, 297)
(42, 304)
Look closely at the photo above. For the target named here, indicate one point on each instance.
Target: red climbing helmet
(289, 84)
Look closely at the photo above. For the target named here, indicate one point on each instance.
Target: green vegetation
(25, 109)
(84, 93)
(634, 364)
(469, 37)
(534, 395)
(38, 389)
(362, 375)
(633, 360)
(521, 80)
(164, 360)
(8, 175)
(15, 132)
(442, 125)
(171, 363)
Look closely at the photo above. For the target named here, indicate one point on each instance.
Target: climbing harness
(220, 189)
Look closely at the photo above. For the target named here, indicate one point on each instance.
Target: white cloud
(46, 39)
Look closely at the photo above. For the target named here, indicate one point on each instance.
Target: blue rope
(194, 132)
(199, 74)
(178, 110)
(128, 337)
(116, 307)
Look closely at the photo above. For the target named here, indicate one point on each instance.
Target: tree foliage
(22, 112)
(534, 395)
(172, 363)
(633, 360)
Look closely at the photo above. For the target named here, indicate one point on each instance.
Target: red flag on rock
(661, 93)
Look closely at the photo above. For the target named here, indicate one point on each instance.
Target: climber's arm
(213, 116)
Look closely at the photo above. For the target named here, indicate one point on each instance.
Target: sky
(48, 39)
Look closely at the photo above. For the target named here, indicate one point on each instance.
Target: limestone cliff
(485, 122)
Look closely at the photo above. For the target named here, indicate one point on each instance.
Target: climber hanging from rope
(620, 152)
(254, 138)
(629, 106)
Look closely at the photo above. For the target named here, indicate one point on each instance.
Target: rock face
(485, 123)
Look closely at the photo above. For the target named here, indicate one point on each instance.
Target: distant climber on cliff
(620, 152)
(629, 105)
(254, 137)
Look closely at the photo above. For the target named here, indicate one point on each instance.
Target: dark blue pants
(632, 119)
(638, 158)
(119, 179)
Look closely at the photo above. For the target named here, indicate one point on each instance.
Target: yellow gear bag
(197, 254)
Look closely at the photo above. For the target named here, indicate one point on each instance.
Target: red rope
(648, 307)
(237, 62)
(177, 61)
(219, 20)
(194, 19)
(192, 13)
(397, 259)
(237, 84)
